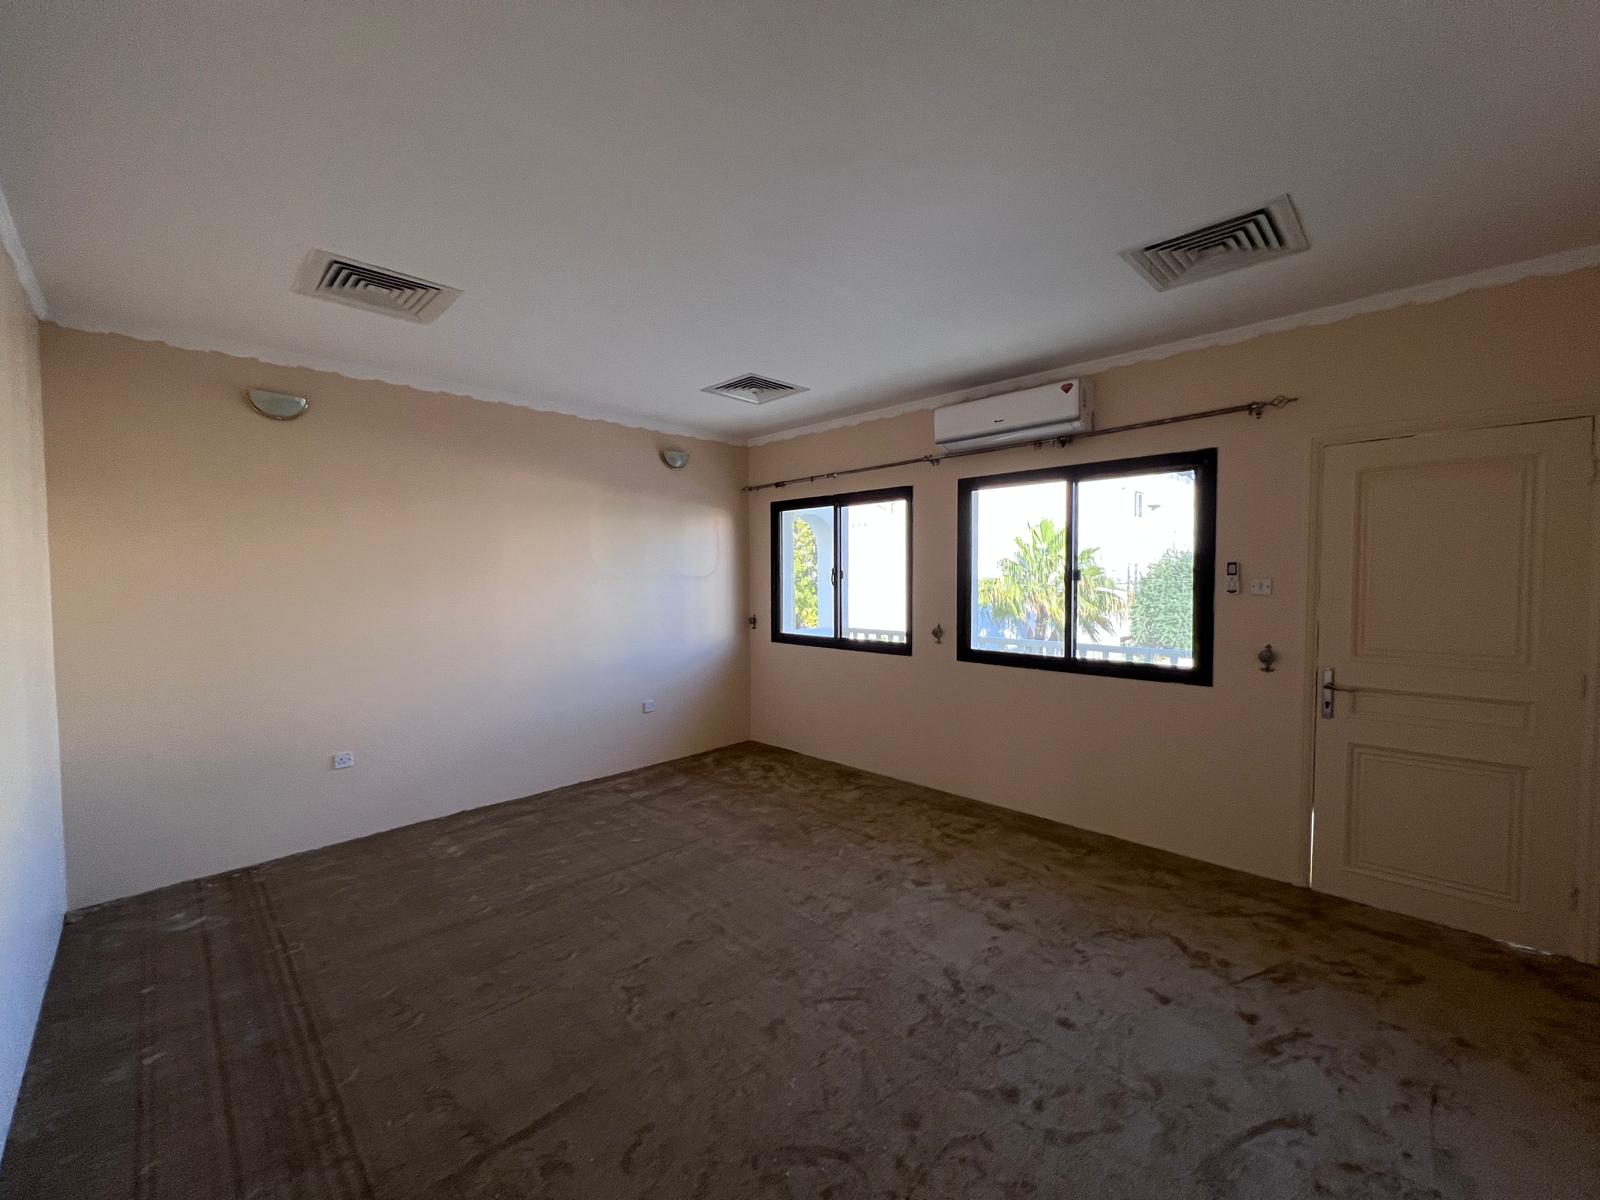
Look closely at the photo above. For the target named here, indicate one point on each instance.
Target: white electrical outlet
(648, 706)
(1261, 587)
(343, 759)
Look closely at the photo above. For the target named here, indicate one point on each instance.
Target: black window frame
(838, 502)
(1204, 465)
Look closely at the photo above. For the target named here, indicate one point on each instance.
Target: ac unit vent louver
(754, 389)
(376, 289)
(1271, 231)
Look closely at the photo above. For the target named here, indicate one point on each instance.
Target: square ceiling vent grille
(1271, 231)
(754, 389)
(376, 289)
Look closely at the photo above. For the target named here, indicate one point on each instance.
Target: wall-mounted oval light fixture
(280, 406)
(676, 460)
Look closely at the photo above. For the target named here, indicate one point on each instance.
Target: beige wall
(32, 888)
(473, 598)
(1216, 773)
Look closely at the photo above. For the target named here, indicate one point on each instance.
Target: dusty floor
(751, 974)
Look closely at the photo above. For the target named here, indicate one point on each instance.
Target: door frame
(1587, 849)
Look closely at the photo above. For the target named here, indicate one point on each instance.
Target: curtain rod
(1255, 408)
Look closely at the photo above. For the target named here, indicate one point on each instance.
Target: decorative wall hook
(752, 620)
(938, 634)
(1267, 656)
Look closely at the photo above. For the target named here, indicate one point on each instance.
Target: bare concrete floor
(751, 974)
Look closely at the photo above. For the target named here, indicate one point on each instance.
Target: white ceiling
(878, 200)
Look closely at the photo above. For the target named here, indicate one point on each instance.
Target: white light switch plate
(648, 706)
(343, 759)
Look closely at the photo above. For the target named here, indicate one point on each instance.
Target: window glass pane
(1136, 569)
(1019, 569)
(805, 559)
(874, 552)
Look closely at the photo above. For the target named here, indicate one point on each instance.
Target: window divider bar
(838, 570)
(1071, 616)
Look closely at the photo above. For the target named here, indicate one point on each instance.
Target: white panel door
(1453, 613)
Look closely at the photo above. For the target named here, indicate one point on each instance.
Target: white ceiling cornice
(1424, 293)
(271, 356)
(12, 241)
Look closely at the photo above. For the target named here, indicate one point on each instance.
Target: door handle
(1329, 690)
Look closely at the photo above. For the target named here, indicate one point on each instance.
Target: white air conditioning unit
(1034, 414)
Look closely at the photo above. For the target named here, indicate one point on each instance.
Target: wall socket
(648, 706)
(1261, 587)
(343, 759)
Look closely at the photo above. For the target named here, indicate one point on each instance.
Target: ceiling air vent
(1270, 231)
(754, 389)
(376, 289)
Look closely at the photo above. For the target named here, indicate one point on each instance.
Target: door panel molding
(1366, 760)
(1443, 711)
(1429, 483)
